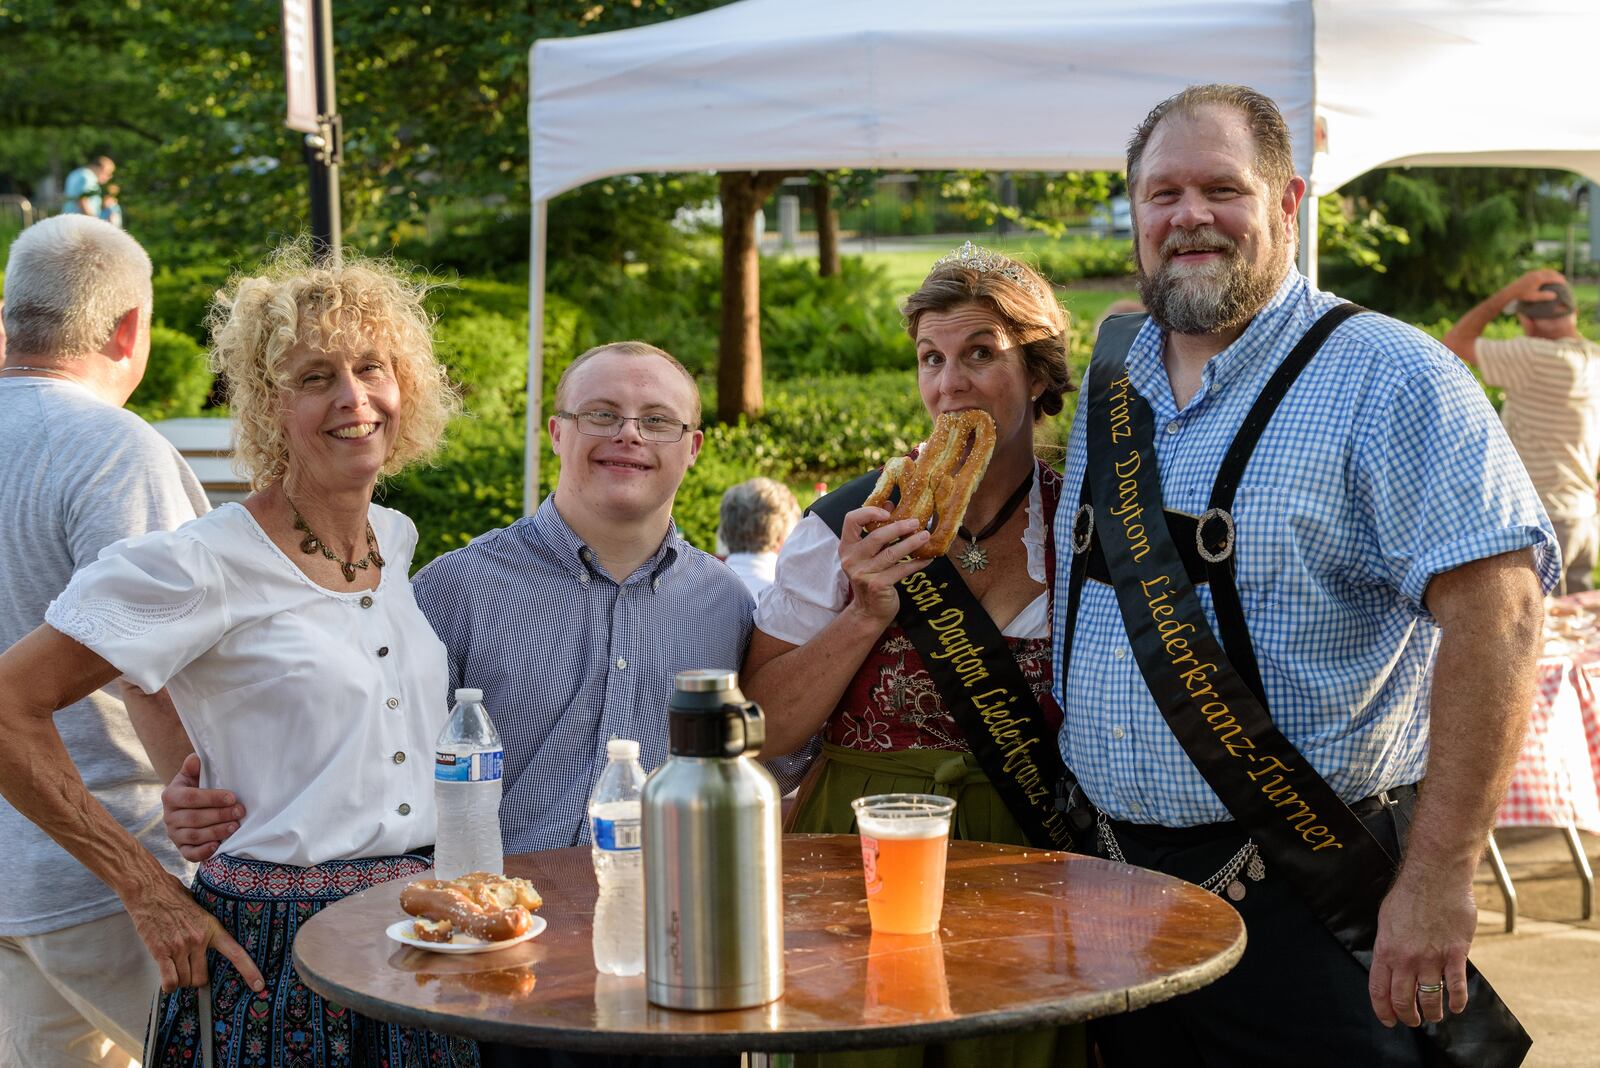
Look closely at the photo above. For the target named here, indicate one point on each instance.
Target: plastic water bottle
(618, 868)
(466, 788)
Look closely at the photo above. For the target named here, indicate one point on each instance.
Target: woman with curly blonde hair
(285, 633)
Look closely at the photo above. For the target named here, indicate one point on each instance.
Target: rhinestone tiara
(977, 258)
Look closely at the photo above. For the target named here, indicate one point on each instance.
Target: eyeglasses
(604, 423)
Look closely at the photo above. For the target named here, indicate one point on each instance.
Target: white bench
(207, 445)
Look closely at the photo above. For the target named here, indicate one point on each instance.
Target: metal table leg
(1580, 860)
(1503, 877)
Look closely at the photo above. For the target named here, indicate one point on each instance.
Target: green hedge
(1068, 260)
(177, 381)
(476, 483)
(809, 325)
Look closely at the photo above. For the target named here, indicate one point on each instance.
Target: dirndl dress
(263, 905)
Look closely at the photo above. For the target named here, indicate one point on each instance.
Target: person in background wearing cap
(1551, 378)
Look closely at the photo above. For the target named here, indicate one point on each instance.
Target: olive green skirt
(980, 816)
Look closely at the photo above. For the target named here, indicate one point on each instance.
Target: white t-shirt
(755, 570)
(319, 709)
(811, 588)
(77, 474)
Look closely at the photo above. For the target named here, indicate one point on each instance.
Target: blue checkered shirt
(1384, 466)
(569, 658)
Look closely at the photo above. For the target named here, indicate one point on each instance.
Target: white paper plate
(402, 931)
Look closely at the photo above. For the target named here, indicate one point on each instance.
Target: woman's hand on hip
(198, 821)
(875, 561)
(177, 932)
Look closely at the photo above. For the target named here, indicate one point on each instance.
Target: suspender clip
(1083, 528)
(1221, 555)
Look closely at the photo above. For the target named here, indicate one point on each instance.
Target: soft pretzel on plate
(488, 907)
(941, 479)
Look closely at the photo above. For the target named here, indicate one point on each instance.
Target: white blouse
(811, 588)
(319, 709)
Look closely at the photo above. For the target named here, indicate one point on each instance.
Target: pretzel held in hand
(941, 480)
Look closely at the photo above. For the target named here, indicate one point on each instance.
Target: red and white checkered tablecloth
(1555, 781)
(1557, 769)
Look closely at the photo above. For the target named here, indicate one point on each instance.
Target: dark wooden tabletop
(1028, 937)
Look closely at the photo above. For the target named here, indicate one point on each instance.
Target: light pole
(313, 110)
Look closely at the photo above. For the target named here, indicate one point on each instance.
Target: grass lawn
(906, 266)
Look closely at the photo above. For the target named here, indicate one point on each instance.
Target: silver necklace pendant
(1256, 869)
(1236, 890)
(973, 559)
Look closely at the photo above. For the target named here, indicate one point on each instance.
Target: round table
(1028, 938)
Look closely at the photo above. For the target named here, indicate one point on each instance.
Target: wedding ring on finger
(1430, 988)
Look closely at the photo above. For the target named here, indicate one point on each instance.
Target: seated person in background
(1551, 378)
(755, 517)
(285, 631)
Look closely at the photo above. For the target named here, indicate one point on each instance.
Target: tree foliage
(188, 94)
(1429, 242)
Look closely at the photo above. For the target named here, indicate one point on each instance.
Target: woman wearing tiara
(830, 654)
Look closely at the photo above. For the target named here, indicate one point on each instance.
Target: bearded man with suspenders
(1293, 515)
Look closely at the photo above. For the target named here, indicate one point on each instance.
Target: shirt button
(655, 584)
(583, 577)
(404, 810)
(393, 702)
(622, 663)
(1172, 427)
(366, 602)
(1116, 732)
(383, 650)
(1119, 652)
(1134, 807)
(400, 758)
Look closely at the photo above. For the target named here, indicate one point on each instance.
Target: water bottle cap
(466, 693)
(622, 749)
(706, 680)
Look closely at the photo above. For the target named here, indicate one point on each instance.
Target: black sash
(971, 663)
(1213, 700)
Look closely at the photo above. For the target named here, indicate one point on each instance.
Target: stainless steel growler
(712, 856)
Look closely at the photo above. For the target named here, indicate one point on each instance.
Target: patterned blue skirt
(262, 906)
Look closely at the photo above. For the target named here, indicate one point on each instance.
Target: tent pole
(1307, 225)
(535, 427)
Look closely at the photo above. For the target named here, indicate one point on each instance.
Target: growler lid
(704, 718)
(706, 680)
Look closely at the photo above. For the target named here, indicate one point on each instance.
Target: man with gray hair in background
(754, 519)
(77, 473)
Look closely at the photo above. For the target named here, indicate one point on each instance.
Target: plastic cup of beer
(904, 842)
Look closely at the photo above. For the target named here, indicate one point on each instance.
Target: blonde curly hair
(258, 319)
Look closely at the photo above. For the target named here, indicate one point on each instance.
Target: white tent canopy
(1051, 85)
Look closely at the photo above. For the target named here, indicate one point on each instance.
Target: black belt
(1202, 833)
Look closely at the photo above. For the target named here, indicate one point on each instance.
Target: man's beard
(1220, 296)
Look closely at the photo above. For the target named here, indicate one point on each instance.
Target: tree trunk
(739, 360)
(827, 226)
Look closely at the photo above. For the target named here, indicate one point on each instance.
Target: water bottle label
(616, 834)
(478, 767)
